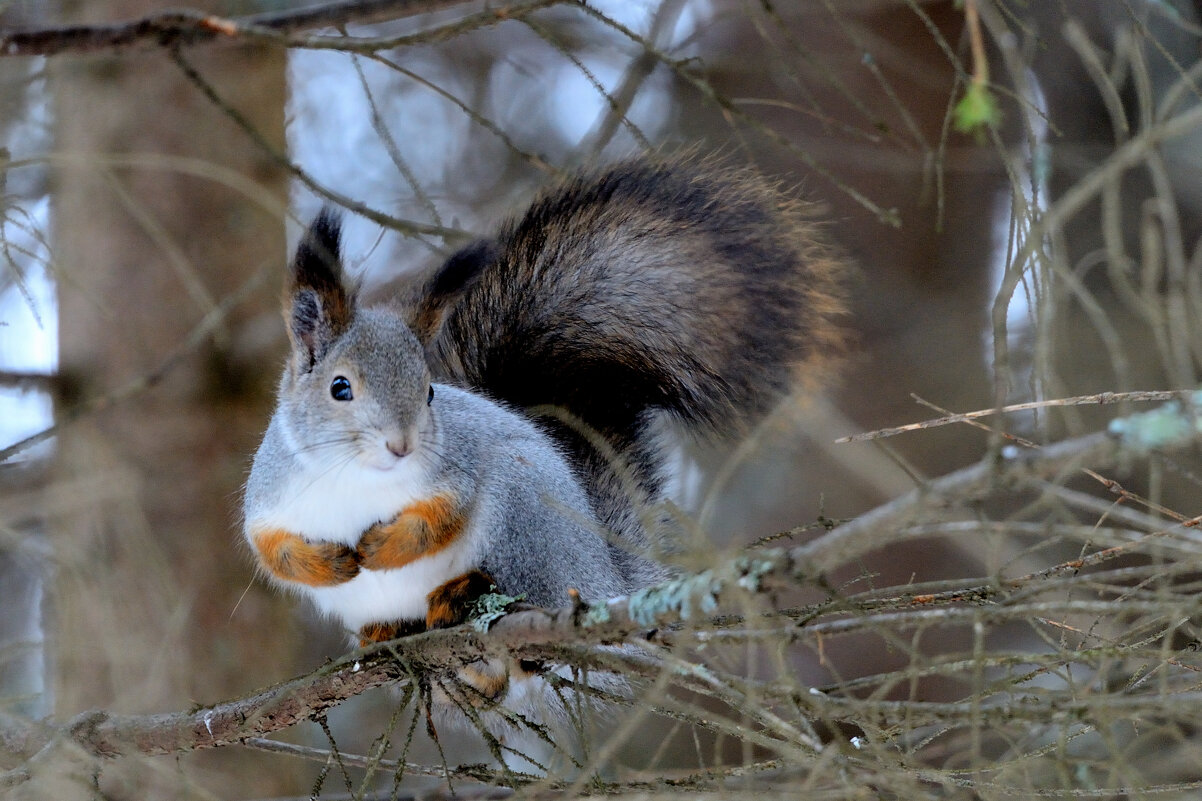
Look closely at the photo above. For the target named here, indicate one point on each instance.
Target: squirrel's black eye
(430, 395)
(340, 389)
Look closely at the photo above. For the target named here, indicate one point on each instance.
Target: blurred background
(151, 194)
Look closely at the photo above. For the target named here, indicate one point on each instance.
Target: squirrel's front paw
(341, 563)
(292, 558)
(383, 632)
(420, 529)
(450, 603)
(377, 549)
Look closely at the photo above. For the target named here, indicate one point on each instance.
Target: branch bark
(107, 735)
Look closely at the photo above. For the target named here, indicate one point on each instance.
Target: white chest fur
(337, 504)
(380, 596)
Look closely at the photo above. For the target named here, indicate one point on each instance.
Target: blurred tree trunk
(21, 571)
(149, 566)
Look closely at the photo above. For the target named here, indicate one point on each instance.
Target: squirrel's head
(357, 384)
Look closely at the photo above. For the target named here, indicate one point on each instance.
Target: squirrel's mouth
(390, 452)
(383, 460)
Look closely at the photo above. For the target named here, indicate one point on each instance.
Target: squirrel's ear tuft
(456, 276)
(318, 306)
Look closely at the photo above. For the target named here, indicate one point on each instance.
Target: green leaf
(976, 110)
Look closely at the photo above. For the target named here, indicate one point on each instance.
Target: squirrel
(404, 472)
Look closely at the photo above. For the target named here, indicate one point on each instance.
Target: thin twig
(197, 337)
(1024, 442)
(477, 772)
(406, 227)
(1101, 399)
(963, 486)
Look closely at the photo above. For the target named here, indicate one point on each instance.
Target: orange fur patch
(291, 558)
(422, 528)
(488, 677)
(450, 602)
(383, 632)
(377, 632)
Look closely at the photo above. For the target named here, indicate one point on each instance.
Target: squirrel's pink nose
(399, 447)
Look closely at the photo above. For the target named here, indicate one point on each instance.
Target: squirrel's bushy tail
(649, 286)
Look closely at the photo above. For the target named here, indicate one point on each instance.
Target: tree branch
(1100, 399)
(107, 735)
(853, 539)
(27, 381)
(190, 27)
(651, 615)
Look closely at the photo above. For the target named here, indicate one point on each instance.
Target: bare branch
(407, 227)
(962, 486)
(193, 27)
(106, 735)
(643, 616)
(27, 381)
(199, 335)
(476, 772)
(1100, 399)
